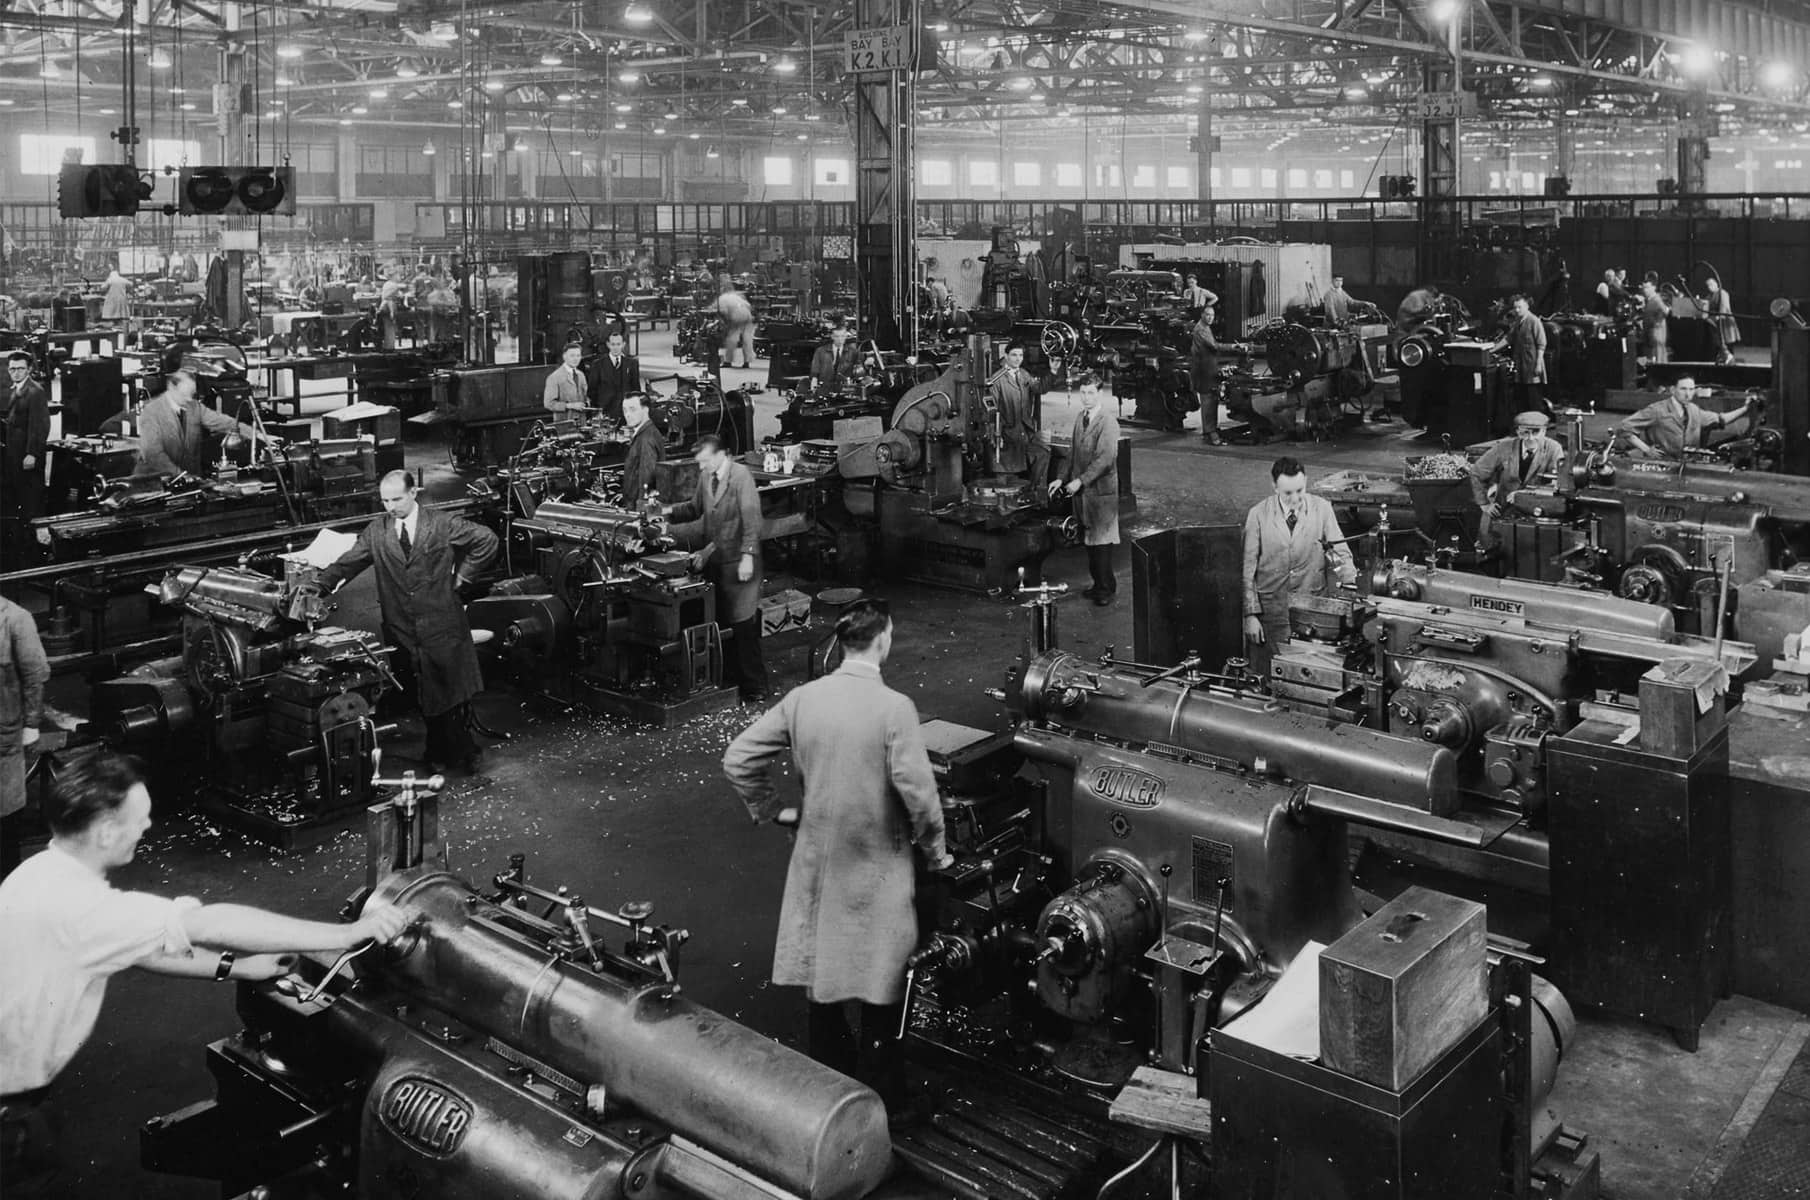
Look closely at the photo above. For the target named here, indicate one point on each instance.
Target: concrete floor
(621, 812)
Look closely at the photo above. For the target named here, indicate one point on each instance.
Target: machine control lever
(339, 964)
(1187, 664)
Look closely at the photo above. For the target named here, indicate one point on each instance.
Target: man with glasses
(848, 921)
(26, 428)
(1522, 460)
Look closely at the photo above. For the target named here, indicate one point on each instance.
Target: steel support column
(1440, 155)
(229, 109)
(1204, 144)
(885, 235)
(1695, 124)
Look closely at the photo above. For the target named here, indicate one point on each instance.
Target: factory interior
(959, 599)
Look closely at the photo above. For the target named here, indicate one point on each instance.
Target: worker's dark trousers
(873, 1056)
(748, 667)
(1099, 567)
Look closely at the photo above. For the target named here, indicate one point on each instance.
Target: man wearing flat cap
(1526, 458)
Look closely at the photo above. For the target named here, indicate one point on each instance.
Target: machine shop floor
(621, 813)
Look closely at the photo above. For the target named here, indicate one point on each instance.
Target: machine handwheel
(1059, 340)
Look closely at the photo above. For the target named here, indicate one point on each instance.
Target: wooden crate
(1403, 988)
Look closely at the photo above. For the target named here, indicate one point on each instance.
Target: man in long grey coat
(1291, 541)
(1013, 394)
(427, 564)
(847, 923)
(23, 672)
(721, 525)
(1091, 474)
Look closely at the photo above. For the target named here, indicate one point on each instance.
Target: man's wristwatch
(225, 969)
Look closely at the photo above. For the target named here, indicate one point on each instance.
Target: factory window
(1143, 175)
(776, 171)
(1027, 174)
(167, 152)
(983, 172)
(1241, 177)
(43, 153)
(1068, 175)
(1297, 179)
(1213, 176)
(1268, 177)
(1181, 179)
(1348, 181)
(832, 172)
(1323, 180)
(1495, 181)
(936, 172)
(1527, 182)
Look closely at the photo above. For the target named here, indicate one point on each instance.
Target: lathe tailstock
(499, 1050)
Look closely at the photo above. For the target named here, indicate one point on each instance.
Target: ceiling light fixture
(1022, 83)
(285, 81)
(359, 110)
(779, 110)
(670, 115)
(693, 136)
(659, 129)
(564, 97)
(380, 93)
(1541, 81)
(622, 108)
(1697, 59)
(804, 137)
(455, 104)
(345, 120)
(621, 125)
(429, 149)
(550, 59)
(630, 77)
(637, 13)
(520, 144)
(159, 61)
(712, 153)
(785, 65)
(407, 71)
(739, 102)
(289, 50)
(493, 85)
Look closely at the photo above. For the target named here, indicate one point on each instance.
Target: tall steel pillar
(1204, 144)
(885, 218)
(1696, 123)
(1442, 85)
(229, 113)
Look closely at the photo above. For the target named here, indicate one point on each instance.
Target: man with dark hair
(1291, 539)
(1526, 344)
(721, 525)
(1338, 302)
(565, 388)
(848, 922)
(173, 428)
(26, 428)
(1090, 476)
(614, 375)
(1417, 307)
(428, 565)
(1203, 377)
(1666, 427)
(64, 930)
(1012, 394)
(23, 672)
(1196, 298)
(836, 362)
(641, 461)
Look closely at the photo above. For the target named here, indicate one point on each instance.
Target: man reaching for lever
(64, 930)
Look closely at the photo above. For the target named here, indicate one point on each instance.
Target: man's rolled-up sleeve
(122, 929)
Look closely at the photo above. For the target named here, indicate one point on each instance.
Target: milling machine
(605, 614)
(1314, 373)
(267, 715)
(501, 1050)
(946, 512)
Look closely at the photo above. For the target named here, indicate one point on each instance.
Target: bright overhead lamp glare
(1195, 35)
(429, 149)
(637, 13)
(621, 125)
(1777, 75)
(670, 115)
(345, 120)
(779, 110)
(159, 61)
(785, 65)
(550, 59)
(1022, 83)
(693, 136)
(493, 85)
(1540, 81)
(811, 116)
(739, 102)
(1697, 59)
(407, 71)
(630, 77)
(284, 81)
(1355, 93)
(804, 137)
(380, 93)
(443, 32)
(519, 144)
(359, 110)
(625, 108)
(659, 129)
(289, 50)
(1443, 10)
(189, 106)
(1195, 89)
(455, 104)
(564, 97)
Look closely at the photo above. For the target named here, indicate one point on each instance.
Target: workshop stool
(1165, 1102)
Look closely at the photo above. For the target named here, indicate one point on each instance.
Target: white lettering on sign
(877, 50)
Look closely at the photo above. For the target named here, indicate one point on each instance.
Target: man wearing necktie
(721, 525)
(1291, 539)
(1524, 459)
(565, 386)
(1013, 394)
(173, 428)
(613, 375)
(1091, 476)
(428, 564)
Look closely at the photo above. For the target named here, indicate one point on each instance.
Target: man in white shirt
(64, 930)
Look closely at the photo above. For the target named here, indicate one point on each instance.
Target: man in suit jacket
(613, 375)
(1286, 555)
(1013, 393)
(848, 922)
(566, 387)
(1091, 474)
(646, 444)
(721, 525)
(428, 564)
(26, 427)
(836, 362)
(173, 428)
(1526, 342)
(1511, 463)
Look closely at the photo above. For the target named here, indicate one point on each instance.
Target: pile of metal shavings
(1439, 466)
